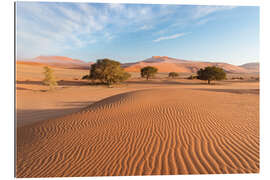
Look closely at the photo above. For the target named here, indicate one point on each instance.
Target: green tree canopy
(49, 77)
(211, 73)
(173, 74)
(148, 72)
(108, 71)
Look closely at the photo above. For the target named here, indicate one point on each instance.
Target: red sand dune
(252, 66)
(167, 64)
(58, 61)
(160, 126)
(29, 63)
(146, 132)
(163, 63)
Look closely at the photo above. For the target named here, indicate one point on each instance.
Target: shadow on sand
(32, 116)
(60, 83)
(20, 88)
(235, 91)
(165, 82)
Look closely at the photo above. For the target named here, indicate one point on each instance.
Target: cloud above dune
(202, 11)
(145, 27)
(53, 28)
(170, 37)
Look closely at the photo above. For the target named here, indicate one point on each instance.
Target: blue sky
(133, 32)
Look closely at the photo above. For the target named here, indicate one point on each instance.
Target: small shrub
(235, 78)
(192, 77)
(49, 78)
(173, 74)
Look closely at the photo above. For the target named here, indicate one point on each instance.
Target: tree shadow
(165, 82)
(242, 81)
(80, 104)
(235, 91)
(72, 83)
(26, 117)
(60, 83)
(20, 88)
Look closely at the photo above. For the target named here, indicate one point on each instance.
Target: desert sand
(163, 63)
(168, 64)
(160, 126)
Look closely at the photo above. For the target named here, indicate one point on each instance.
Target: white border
(196, 2)
(7, 87)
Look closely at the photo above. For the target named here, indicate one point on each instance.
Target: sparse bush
(211, 73)
(173, 74)
(86, 77)
(49, 79)
(193, 77)
(255, 78)
(148, 72)
(107, 71)
(241, 78)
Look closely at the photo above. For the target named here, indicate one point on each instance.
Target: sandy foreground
(138, 128)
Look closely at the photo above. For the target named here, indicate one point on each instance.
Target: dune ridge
(168, 64)
(163, 63)
(56, 61)
(146, 132)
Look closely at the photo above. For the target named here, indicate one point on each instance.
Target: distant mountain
(255, 66)
(168, 64)
(57, 61)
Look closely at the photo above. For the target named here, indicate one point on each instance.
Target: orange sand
(167, 64)
(139, 128)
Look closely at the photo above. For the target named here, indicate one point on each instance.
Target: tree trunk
(147, 77)
(109, 84)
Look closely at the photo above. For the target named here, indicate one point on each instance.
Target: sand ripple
(146, 132)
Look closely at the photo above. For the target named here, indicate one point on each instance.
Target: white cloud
(145, 27)
(170, 37)
(108, 36)
(204, 21)
(202, 11)
(50, 28)
(116, 6)
(64, 26)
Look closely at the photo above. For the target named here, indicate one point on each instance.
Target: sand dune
(26, 71)
(163, 63)
(168, 64)
(57, 61)
(146, 132)
(253, 67)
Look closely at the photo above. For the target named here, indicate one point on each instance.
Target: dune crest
(163, 63)
(146, 132)
(57, 61)
(168, 64)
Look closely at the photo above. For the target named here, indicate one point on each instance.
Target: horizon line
(210, 61)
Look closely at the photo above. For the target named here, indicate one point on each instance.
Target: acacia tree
(173, 74)
(148, 72)
(49, 77)
(211, 73)
(108, 72)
